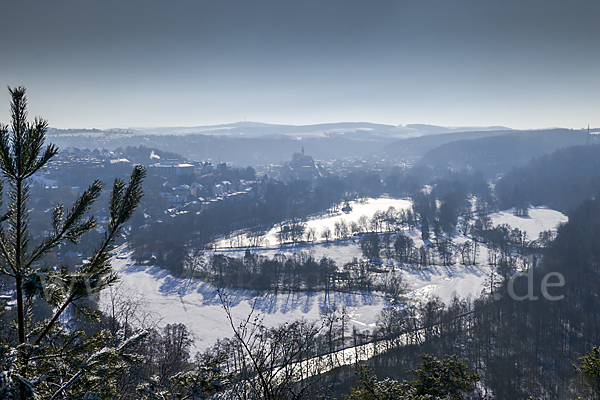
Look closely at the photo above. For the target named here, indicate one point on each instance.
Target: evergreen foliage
(589, 365)
(51, 359)
(450, 377)
(447, 379)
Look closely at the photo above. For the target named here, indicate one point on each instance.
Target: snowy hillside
(197, 304)
(464, 281)
(539, 219)
(367, 208)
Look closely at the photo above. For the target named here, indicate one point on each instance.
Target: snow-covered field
(367, 208)
(540, 219)
(197, 304)
(446, 281)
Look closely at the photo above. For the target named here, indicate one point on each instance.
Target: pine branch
(97, 273)
(23, 153)
(69, 228)
(5, 252)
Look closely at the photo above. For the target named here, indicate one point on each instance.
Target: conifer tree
(589, 366)
(49, 359)
(447, 379)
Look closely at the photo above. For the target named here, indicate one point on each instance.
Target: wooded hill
(498, 154)
(562, 180)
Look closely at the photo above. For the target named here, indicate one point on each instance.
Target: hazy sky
(517, 63)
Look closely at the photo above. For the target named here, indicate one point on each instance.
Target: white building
(173, 169)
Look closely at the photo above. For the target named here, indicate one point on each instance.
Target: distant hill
(438, 130)
(416, 147)
(498, 154)
(251, 143)
(357, 130)
(262, 130)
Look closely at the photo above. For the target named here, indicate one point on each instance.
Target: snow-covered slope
(446, 281)
(367, 208)
(540, 219)
(197, 304)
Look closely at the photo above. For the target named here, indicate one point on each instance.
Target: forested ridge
(561, 180)
(495, 155)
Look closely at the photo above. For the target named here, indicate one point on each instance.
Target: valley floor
(197, 304)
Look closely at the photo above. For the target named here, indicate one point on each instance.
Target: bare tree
(127, 310)
(354, 228)
(274, 359)
(330, 317)
(326, 234)
(311, 235)
(363, 222)
(465, 251)
(256, 238)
